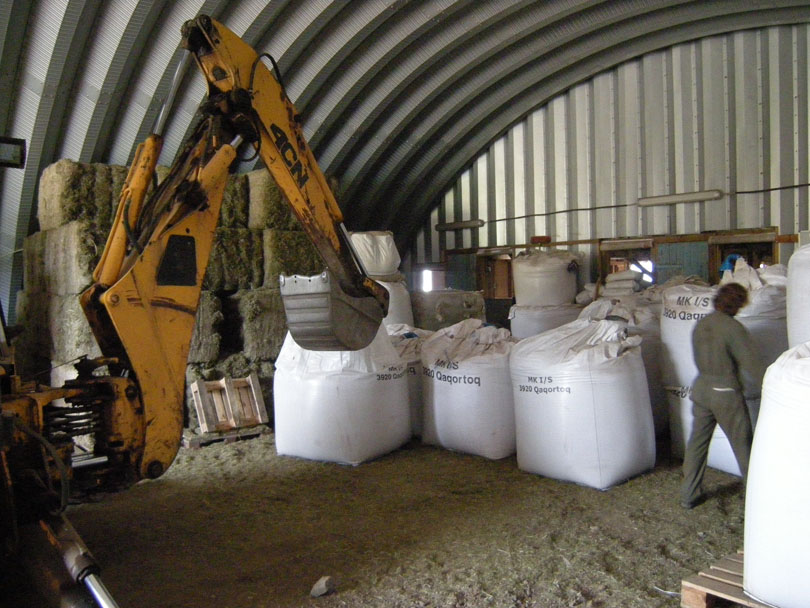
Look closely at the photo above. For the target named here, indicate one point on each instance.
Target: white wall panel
(726, 112)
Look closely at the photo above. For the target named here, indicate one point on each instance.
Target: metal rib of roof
(398, 96)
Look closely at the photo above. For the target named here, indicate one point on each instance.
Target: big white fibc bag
(340, 406)
(467, 392)
(545, 278)
(377, 252)
(798, 286)
(683, 306)
(582, 409)
(777, 528)
(407, 342)
(643, 319)
(526, 321)
(399, 304)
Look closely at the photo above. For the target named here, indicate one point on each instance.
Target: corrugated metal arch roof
(398, 96)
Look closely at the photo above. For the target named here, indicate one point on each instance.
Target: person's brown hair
(730, 298)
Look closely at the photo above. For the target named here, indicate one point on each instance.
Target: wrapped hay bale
(234, 210)
(69, 329)
(235, 261)
(267, 207)
(206, 339)
(61, 260)
(288, 252)
(263, 324)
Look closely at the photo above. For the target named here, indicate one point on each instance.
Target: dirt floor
(236, 526)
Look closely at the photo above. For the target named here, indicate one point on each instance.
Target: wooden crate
(720, 585)
(228, 404)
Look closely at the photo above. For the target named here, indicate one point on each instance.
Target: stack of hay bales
(240, 322)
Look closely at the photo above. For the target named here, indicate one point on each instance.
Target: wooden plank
(722, 581)
(730, 565)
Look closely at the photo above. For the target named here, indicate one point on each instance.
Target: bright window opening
(645, 267)
(427, 280)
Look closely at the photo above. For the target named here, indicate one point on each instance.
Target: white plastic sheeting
(582, 409)
(400, 310)
(777, 529)
(341, 406)
(377, 251)
(467, 391)
(545, 278)
(798, 311)
(526, 321)
(407, 341)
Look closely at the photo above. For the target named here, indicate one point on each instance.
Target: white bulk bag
(765, 318)
(582, 409)
(528, 321)
(407, 341)
(642, 320)
(683, 306)
(467, 392)
(399, 304)
(545, 278)
(777, 529)
(340, 406)
(377, 251)
(798, 312)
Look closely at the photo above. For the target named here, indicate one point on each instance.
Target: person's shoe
(691, 504)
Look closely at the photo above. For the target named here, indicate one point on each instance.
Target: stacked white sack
(644, 321)
(545, 278)
(526, 321)
(380, 259)
(582, 409)
(407, 341)
(467, 391)
(340, 406)
(798, 312)
(777, 529)
(623, 283)
(587, 295)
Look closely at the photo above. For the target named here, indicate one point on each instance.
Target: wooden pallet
(229, 404)
(720, 585)
(198, 441)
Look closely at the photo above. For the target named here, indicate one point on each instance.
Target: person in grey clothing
(725, 355)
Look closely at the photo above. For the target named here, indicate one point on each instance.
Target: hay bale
(235, 261)
(268, 208)
(289, 252)
(79, 191)
(33, 346)
(263, 324)
(234, 210)
(69, 330)
(206, 339)
(61, 260)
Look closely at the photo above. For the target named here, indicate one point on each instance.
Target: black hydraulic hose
(63, 475)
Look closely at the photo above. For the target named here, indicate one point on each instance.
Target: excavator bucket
(321, 316)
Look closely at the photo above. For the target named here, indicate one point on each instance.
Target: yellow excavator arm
(143, 301)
